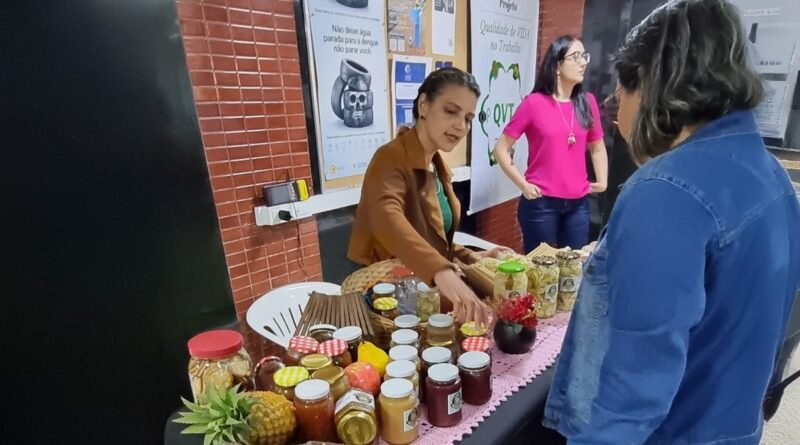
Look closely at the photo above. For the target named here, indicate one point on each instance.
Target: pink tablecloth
(510, 372)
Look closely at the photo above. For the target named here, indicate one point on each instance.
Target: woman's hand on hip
(530, 191)
(466, 305)
(597, 187)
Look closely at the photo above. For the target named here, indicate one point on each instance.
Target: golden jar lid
(469, 330)
(543, 260)
(330, 374)
(290, 376)
(385, 303)
(570, 255)
(313, 362)
(357, 428)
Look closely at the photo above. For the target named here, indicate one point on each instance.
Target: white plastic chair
(275, 315)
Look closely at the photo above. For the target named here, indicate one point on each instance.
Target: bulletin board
(397, 24)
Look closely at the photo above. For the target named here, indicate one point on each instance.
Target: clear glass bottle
(406, 290)
(428, 302)
(398, 412)
(315, 410)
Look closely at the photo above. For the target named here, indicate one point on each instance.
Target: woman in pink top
(561, 122)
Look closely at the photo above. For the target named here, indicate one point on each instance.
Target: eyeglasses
(577, 56)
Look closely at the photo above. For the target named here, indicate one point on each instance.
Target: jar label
(551, 292)
(355, 396)
(410, 419)
(570, 284)
(454, 403)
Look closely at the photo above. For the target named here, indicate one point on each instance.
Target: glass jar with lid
(335, 377)
(405, 289)
(386, 307)
(398, 412)
(441, 330)
(336, 350)
(315, 362)
(356, 420)
(218, 359)
(322, 332)
(299, 347)
(510, 281)
(353, 335)
(407, 322)
(403, 369)
(433, 356)
(443, 395)
(477, 344)
(469, 330)
(475, 370)
(265, 372)
(287, 379)
(405, 337)
(383, 290)
(405, 352)
(315, 409)
(543, 280)
(428, 302)
(570, 271)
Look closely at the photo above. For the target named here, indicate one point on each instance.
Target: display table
(520, 386)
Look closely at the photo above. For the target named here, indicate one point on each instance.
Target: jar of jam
(383, 290)
(315, 409)
(356, 420)
(405, 337)
(353, 335)
(398, 412)
(428, 302)
(386, 307)
(336, 350)
(265, 372)
(322, 332)
(405, 352)
(315, 362)
(475, 371)
(443, 395)
(403, 369)
(299, 347)
(477, 344)
(335, 377)
(433, 356)
(287, 379)
(441, 330)
(218, 359)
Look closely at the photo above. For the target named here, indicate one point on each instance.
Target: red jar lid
(475, 344)
(215, 344)
(304, 345)
(332, 348)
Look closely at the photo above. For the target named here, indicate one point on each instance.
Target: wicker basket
(362, 280)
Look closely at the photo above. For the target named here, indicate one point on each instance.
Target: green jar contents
(428, 302)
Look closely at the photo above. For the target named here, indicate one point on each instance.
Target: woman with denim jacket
(685, 299)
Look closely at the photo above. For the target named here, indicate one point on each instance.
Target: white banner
(503, 42)
(348, 52)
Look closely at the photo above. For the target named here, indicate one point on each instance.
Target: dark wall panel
(111, 250)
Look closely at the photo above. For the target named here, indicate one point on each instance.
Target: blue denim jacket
(685, 300)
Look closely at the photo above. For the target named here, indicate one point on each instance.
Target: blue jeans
(555, 221)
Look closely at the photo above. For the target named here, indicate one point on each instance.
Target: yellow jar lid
(330, 374)
(470, 330)
(290, 376)
(357, 428)
(385, 303)
(315, 361)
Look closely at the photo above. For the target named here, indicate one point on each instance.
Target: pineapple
(248, 418)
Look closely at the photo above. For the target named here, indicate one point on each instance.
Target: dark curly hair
(547, 79)
(438, 80)
(688, 60)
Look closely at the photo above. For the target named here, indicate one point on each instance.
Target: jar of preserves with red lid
(218, 359)
(477, 344)
(299, 347)
(443, 395)
(475, 370)
(337, 351)
(315, 409)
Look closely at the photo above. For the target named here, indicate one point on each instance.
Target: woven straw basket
(362, 281)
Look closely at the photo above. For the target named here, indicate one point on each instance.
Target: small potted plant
(515, 330)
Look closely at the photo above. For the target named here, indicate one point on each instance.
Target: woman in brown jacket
(408, 209)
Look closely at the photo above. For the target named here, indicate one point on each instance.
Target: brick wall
(556, 17)
(245, 70)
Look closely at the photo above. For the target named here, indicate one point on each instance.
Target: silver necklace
(571, 127)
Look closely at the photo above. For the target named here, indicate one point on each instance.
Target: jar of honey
(336, 350)
(405, 352)
(441, 330)
(443, 395)
(405, 337)
(299, 347)
(386, 307)
(398, 412)
(335, 377)
(356, 419)
(475, 371)
(403, 369)
(287, 379)
(315, 409)
(353, 335)
(315, 362)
